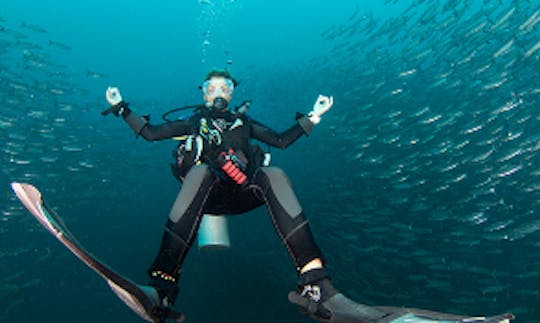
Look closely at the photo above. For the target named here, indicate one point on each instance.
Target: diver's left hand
(322, 104)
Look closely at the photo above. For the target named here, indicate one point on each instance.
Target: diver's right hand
(118, 107)
(113, 95)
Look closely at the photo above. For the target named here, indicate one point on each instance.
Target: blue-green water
(422, 183)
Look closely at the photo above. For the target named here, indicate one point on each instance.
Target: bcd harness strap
(207, 134)
(191, 148)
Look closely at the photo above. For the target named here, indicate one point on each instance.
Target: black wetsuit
(204, 191)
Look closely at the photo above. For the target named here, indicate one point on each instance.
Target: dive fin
(344, 310)
(143, 300)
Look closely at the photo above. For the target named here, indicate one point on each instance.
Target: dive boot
(163, 293)
(319, 300)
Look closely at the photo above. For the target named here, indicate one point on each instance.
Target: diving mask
(218, 87)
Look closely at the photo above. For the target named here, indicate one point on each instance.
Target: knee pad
(193, 183)
(273, 180)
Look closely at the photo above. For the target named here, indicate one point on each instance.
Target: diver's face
(217, 87)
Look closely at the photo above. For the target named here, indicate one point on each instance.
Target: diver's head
(218, 89)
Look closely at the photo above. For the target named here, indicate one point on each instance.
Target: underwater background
(422, 183)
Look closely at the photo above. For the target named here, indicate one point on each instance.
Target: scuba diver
(222, 172)
(225, 175)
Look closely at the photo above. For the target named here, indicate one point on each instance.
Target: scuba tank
(213, 232)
